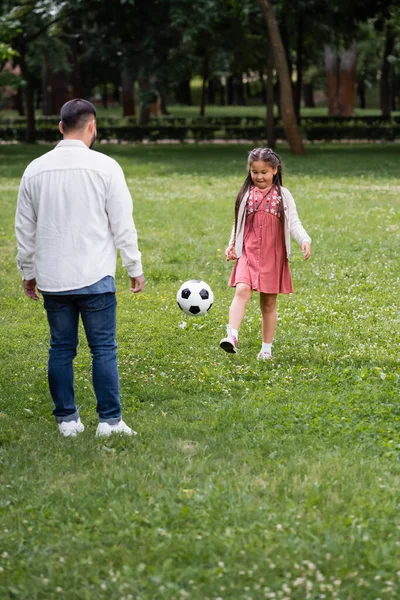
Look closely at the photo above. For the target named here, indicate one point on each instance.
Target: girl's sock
(233, 332)
(266, 348)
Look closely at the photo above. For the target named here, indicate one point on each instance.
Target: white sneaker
(104, 429)
(264, 355)
(71, 428)
(229, 343)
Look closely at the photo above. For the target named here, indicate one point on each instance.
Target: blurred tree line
(54, 50)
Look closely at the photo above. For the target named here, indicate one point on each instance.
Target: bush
(208, 129)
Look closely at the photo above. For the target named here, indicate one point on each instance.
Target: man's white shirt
(74, 212)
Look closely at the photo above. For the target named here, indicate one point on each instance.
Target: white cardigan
(292, 225)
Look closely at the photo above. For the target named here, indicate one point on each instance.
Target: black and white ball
(195, 297)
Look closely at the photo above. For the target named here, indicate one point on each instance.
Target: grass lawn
(247, 480)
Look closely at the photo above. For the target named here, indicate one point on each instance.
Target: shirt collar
(71, 144)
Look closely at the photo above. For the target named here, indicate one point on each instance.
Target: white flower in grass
(279, 527)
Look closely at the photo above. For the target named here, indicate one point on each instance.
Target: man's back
(78, 199)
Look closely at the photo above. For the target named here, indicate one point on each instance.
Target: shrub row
(388, 132)
(221, 122)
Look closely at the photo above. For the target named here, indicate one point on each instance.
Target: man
(74, 212)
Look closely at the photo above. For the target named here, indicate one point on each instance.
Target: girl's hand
(230, 253)
(306, 250)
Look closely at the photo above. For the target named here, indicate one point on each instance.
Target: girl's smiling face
(262, 174)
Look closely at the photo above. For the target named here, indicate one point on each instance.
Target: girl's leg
(238, 306)
(236, 314)
(268, 310)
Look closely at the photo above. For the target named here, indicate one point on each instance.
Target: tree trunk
(104, 95)
(163, 105)
(144, 115)
(386, 84)
(290, 126)
(299, 65)
(240, 95)
(30, 111)
(285, 34)
(222, 93)
(59, 92)
(332, 83)
(184, 93)
(146, 98)
(263, 91)
(211, 91)
(347, 86)
(204, 87)
(116, 98)
(361, 94)
(128, 102)
(270, 123)
(19, 102)
(308, 95)
(75, 75)
(46, 95)
(229, 86)
(248, 90)
(30, 136)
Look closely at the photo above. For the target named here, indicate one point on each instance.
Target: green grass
(247, 480)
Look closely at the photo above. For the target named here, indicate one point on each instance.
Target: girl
(265, 216)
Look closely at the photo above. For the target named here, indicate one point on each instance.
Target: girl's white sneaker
(105, 429)
(229, 344)
(264, 355)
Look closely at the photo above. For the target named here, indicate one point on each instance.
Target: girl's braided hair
(269, 156)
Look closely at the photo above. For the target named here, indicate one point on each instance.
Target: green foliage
(238, 128)
(247, 480)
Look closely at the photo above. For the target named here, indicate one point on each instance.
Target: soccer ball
(195, 297)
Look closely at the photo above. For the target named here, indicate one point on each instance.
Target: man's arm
(119, 210)
(25, 231)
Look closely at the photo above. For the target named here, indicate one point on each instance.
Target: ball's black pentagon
(204, 294)
(185, 293)
(209, 307)
(194, 310)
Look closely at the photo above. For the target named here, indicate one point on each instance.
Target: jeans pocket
(95, 302)
(52, 303)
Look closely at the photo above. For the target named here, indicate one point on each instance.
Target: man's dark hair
(75, 114)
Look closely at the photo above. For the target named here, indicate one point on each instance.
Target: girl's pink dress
(263, 265)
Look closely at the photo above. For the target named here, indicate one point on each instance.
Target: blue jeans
(98, 312)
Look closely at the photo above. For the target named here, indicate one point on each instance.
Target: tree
(288, 115)
(23, 26)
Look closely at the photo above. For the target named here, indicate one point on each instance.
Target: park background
(176, 69)
(246, 480)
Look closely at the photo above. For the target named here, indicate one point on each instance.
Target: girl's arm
(232, 238)
(230, 252)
